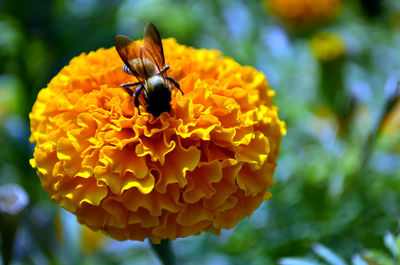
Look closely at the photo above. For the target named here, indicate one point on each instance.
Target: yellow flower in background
(303, 13)
(391, 126)
(91, 241)
(328, 47)
(202, 167)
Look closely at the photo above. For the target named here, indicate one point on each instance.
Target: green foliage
(325, 256)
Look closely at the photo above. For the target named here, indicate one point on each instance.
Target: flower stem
(164, 252)
(369, 144)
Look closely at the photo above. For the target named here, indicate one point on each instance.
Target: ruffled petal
(203, 166)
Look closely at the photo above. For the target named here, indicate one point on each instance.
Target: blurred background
(334, 66)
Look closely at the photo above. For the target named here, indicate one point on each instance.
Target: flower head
(303, 13)
(203, 166)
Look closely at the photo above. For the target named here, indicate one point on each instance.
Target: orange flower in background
(203, 166)
(304, 13)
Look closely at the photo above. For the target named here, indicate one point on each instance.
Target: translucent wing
(129, 50)
(153, 48)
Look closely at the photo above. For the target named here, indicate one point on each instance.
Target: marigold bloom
(303, 13)
(204, 166)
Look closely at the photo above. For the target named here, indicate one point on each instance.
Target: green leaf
(357, 260)
(376, 257)
(328, 255)
(390, 243)
(297, 261)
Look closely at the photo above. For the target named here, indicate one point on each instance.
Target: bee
(147, 64)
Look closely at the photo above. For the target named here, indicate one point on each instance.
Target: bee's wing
(128, 50)
(153, 48)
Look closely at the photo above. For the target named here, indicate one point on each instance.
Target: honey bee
(147, 64)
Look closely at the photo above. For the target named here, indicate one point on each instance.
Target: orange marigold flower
(204, 166)
(304, 13)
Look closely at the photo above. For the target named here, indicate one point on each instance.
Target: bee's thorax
(144, 67)
(157, 82)
(156, 86)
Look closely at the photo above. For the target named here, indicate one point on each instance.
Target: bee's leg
(164, 69)
(127, 70)
(128, 90)
(176, 84)
(126, 87)
(130, 84)
(136, 100)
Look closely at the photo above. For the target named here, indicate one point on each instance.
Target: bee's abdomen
(158, 99)
(156, 110)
